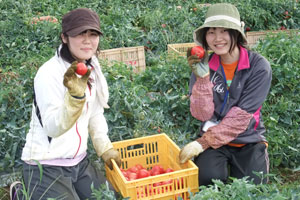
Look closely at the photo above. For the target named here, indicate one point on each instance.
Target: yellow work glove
(189, 151)
(199, 66)
(111, 154)
(76, 85)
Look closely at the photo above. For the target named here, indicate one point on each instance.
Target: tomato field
(156, 100)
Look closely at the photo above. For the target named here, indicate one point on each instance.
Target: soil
(289, 176)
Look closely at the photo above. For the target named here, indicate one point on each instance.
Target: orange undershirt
(229, 70)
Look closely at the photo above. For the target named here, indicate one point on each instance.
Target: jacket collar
(214, 62)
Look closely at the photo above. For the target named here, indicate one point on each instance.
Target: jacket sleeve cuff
(203, 143)
(76, 97)
(101, 145)
(203, 80)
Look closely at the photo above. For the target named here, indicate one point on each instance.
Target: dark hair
(235, 36)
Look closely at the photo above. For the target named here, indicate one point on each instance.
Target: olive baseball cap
(223, 15)
(80, 20)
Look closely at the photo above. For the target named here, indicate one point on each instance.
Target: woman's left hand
(111, 154)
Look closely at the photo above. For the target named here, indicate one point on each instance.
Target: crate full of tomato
(151, 170)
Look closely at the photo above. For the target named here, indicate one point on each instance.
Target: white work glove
(189, 151)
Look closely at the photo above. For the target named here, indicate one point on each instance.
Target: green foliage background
(156, 100)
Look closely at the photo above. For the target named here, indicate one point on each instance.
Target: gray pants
(69, 183)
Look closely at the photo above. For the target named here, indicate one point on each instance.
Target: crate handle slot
(136, 146)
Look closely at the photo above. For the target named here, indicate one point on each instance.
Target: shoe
(14, 188)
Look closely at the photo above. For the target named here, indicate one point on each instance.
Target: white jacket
(50, 94)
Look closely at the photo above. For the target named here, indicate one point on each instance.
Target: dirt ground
(289, 176)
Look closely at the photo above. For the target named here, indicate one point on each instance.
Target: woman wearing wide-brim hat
(227, 91)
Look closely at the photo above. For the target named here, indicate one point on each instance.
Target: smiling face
(220, 41)
(82, 46)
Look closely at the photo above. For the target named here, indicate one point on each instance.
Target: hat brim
(198, 33)
(80, 29)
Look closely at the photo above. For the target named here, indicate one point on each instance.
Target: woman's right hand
(199, 66)
(76, 85)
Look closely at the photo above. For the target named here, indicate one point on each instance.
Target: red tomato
(156, 189)
(154, 172)
(143, 173)
(179, 183)
(158, 168)
(132, 176)
(198, 51)
(169, 170)
(156, 184)
(140, 192)
(148, 188)
(139, 166)
(282, 28)
(133, 169)
(162, 170)
(167, 182)
(125, 174)
(81, 69)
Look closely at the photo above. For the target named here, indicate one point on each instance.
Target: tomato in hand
(198, 51)
(81, 69)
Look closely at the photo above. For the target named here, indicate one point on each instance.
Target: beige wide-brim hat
(223, 15)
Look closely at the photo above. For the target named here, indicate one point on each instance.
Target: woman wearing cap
(227, 90)
(67, 109)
